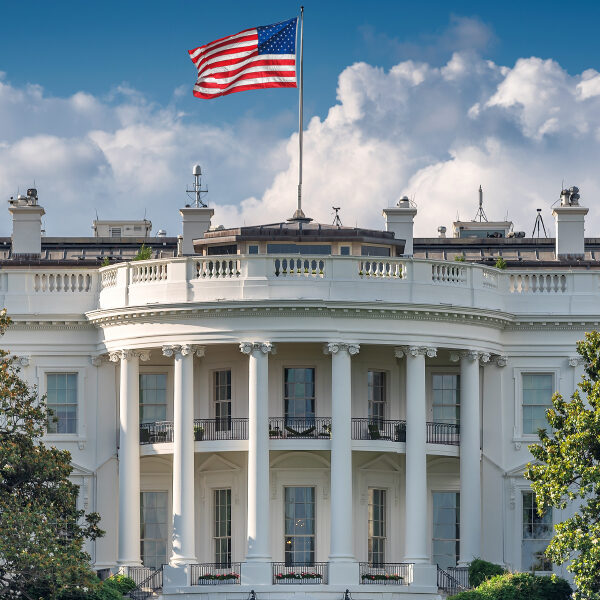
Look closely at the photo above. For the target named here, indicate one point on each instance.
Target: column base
(175, 576)
(256, 572)
(343, 572)
(123, 565)
(425, 576)
(182, 561)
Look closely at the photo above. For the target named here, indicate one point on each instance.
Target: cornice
(29, 324)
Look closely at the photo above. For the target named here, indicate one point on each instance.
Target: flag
(263, 57)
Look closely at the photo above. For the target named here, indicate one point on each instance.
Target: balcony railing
(220, 429)
(448, 580)
(300, 427)
(378, 429)
(386, 573)
(215, 573)
(300, 573)
(158, 432)
(443, 433)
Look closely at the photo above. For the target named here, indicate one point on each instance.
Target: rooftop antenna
(480, 212)
(198, 191)
(337, 222)
(539, 222)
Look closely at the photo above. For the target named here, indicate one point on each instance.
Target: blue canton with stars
(279, 38)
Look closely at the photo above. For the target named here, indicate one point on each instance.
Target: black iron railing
(300, 573)
(443, 433)
(156, 433)
(448, 583)
(215, 573)
(386, 573)
(378, 429)
(300, 427)
(220, 429)
(461, 574)
(149, 582)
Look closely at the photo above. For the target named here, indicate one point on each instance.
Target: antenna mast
(480, 212)
(198, 191)
(539, 222)
(337, 222)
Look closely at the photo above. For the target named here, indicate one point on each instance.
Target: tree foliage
(42, 533)
(567, 469)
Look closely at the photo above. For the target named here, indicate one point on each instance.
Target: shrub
(500, 263)
(524, 586)
(120, 583)
(459, 258)
(105, 262)
(480, 570)
(468, 595)
(144, 253)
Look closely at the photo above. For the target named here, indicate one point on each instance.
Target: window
(299, 394)
(252, 249)
(153, 397)
(374, 251)
(299, 249)
(376, 527)
(446, 529)
(220, 250)
(537, 398)
(299, 525)
(115, 232)
(376, 395)
(345, 250)
(222, 527)
(222, 395)
(61, 399)
(537, 532)
(154, 528)
(446, 398)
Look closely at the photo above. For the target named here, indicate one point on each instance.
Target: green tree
(41, 531)
(144, 253)
(567, 470)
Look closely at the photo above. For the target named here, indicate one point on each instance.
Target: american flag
(263, 57)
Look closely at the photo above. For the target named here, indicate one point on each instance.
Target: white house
(337, 402)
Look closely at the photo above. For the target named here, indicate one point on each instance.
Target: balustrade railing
(538, 283)
(387, 269)
(215, 573)
(220, 429)
(300, 427)
(147, 272)
(217, 268)
(300, 573)
(386, 573)
(62, 282)
(461, 574)
(448, 273)
(378, 429)
(448, 583)
(149, 582)
(158, 432)
(443, 433)
(299, 267)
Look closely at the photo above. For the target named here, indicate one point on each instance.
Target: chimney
(196, 222)
(399, 219)
(570, 225)
(27, 224)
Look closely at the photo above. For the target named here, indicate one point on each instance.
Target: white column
(184, 548)
(129, 455)
(470, 456)
(416, 516)
(259, 550)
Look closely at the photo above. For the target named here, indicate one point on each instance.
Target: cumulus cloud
(433, 132)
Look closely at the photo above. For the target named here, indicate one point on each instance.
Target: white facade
(386, 349)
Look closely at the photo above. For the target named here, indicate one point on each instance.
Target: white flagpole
(299, 213)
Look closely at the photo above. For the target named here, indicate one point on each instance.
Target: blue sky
(100, 77)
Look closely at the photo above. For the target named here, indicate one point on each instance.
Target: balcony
(215, 574)
(443, 433)
(304, 573)
(307, 428)
(386, 573)
(161, 432)
(395, 431)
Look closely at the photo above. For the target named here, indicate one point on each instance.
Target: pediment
(216, 462)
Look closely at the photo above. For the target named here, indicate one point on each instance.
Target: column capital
(576, 361)
(117, 355)
(264, 347)
(22, 361)
(183, 350)
(335, 347)
(472, 355)
(412, 351)
(500, 360)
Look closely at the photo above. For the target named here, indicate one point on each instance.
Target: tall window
(376, 393)
(446, 398)
(222, 499)
(537, 532)
(61, 391)
(537, 398)
(446, 528)
(153, 397)
(299, 525)
(222, 395)
(376, 527)
(299, 393)
(154, 528)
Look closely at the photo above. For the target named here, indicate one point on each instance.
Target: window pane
(446, 528)
(446, 397)
(536, 534)
(376, 526)
(299, 394)
(153, 528)
(537, 398)
(61, 400)
(299, 538)
(222, 526)
(153, 397)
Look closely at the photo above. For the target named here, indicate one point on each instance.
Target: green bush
(121, 583)
(480, 570)
(468, 595)
(144, 253)
(500, 263)
(524, 586)
(554, 588)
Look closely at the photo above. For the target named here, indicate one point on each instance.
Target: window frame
(148, 370)
(213, 394)
(283, 396)
(385, 524)
(522, 492)
(168, 523)
(432, 538)
(314, 487)
(386, 395)
(215, 537)
(430, 372)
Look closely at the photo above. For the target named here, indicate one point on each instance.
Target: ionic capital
(183, 350)
(335, 347)
(413, 351)
(472, 355)
(264, 347)
(500, 360)
(99, 359)
(21, 361)
(576, 361)
(118, 355)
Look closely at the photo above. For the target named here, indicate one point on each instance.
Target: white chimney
(399, 219)
(570, 225)
(27, 224)
(195, 222)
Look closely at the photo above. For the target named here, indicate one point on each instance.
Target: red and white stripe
(232, 64)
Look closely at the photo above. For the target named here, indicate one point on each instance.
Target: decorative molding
(264, 347)
(334, 347)
(21, 361)
(576, 361)
(183, 350)
(472, 355)
(118, 355)
(500, 360)
(414, 351)
(99, 359)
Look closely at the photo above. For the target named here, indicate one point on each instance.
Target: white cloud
(434, 133)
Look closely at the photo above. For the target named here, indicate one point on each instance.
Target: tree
(568, 470)
(41, 531)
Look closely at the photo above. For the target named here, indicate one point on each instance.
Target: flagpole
(299, 213)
